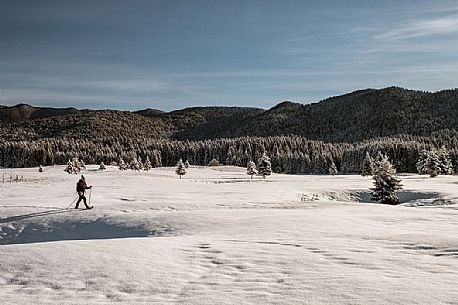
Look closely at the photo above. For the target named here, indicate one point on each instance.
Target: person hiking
(81, 188)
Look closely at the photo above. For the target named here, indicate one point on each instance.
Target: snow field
(216, 237)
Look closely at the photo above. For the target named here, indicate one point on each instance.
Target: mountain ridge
(355, 116)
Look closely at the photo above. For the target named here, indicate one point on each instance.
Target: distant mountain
(24, 112)
(356, 116)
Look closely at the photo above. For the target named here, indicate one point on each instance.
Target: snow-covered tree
(186, 164)
(421, 163)
(102, 166)
(40, 169)
(367, 168)
(333, 169)
(147, 166)
(69, 168)
(73, 166)
(135, 165)
(181, 169)
(122, 165)
(429, 163)
(264, 166)
(251, 169)
(213, 162)
(445, 163)
(385, 181)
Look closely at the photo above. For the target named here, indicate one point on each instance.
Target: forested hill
(352, 117)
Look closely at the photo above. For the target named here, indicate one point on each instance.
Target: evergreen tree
(147, 166)
(385, 182)
(77, 165)
(432, 164)
(135, 165)
(445, 163)
(213, 162)
(251, 169)
(367, 168)
(122, 165)
(186, 164)
(69, 168)
(181, 169)
(40, 169)
(264, 166)
(333, 169)
(422, 161)
(102, 166)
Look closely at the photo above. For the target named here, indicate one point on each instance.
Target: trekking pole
(74, 200)
(90, 193)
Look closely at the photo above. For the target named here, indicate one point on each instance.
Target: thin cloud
(442, 26)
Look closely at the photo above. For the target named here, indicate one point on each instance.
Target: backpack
(79, 187)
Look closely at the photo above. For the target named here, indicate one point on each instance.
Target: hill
(352, 117)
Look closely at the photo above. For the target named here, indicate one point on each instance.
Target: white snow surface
(217, 237)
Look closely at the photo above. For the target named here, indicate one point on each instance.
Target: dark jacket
(81, 187)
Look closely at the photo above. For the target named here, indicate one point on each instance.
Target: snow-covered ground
(215, 237)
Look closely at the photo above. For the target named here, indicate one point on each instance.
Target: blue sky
(173, 54)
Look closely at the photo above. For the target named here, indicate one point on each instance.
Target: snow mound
(43, 227)
(407, 198)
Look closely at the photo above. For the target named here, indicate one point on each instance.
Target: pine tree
(135, 165)
(181, 169)
(102, 166)
(213, 162)
(421, 163)
(432, 163)
(122, 165)
(81, 164)
(186, 164)
(385, 182)
(40, 169)
(333, 169)
(69, 168)
(251, 169)
(445, 163)
(367, 168)
(264, 166)
(77, 165)
(147, 166)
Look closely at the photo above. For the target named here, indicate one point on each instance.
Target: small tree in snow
(367, 168)
(134, 165)
(186, 164)
(81, 164)
(445, 163)
(264, 166)
(122, 165)
(181, 169)
(385, 181)
(333, 169)
(73, 166)
(102, 166)
(40, 169)
(213, 162)
(69, 168)
(147, 166)
(251, 169)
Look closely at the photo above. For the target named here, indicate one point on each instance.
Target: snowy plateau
(217, 237)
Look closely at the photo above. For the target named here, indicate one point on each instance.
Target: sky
(172, 54)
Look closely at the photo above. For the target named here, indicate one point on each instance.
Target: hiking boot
(88, 208)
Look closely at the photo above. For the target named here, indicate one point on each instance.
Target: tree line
(289, 154)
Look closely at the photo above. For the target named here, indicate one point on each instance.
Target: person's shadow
(32, 215)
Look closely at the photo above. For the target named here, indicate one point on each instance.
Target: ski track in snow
(218, 237)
